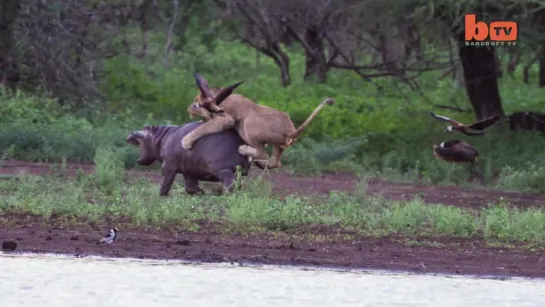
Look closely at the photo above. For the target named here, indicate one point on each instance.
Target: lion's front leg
(207, 116)
(214, 125)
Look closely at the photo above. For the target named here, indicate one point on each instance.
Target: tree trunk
(412, 41)
(542, 67)
(514, 59)
(316, 63)
(498, 66)
(526, 69)
(144, 10)
(9, 69)
(284, 65)
(481, 79)
(311, 61)
(286, 38)
(459, 81)
(392, 49)
(183, 24)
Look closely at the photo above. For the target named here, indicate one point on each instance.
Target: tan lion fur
(196, 110)
(258, 125)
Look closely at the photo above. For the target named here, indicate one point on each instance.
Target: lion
(195, 109)
(258, 125)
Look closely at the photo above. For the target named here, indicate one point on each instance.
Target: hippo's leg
(227, 177)
(192, 185)
(168, 180)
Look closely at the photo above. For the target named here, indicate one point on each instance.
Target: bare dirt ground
(443, 255)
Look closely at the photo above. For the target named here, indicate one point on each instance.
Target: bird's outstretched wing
(444, 118)
(484, 123)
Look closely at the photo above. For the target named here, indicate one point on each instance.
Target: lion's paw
(186, 143)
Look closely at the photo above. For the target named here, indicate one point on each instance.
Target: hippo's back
(210, 153)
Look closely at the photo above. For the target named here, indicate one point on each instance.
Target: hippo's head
(145, 139)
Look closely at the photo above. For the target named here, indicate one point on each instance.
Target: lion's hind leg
(216, 124)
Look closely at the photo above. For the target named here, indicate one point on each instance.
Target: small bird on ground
(472, 129)
(109, 237)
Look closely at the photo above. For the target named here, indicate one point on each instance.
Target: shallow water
(49, 280)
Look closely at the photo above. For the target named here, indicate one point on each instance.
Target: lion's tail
(292, 137)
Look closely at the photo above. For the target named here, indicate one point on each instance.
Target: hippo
(214, 158)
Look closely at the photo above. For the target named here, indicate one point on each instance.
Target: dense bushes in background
(385, 132)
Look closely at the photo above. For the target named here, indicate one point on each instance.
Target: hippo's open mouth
(133, 139)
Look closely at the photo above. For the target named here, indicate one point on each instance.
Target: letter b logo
(475, 30)
(499, 31)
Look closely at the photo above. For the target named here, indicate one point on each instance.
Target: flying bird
(472, 129)
(109, 237)
(456, 151)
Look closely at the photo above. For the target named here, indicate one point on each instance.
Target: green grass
(107, 193)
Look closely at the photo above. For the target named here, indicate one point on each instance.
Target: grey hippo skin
(213, 158)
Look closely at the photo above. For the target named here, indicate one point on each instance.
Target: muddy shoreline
(311, 247)
(327, 248)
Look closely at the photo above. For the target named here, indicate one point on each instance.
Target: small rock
(74, 238)
(183, 242)
(9, 246)
(207, 241)
(48, 238)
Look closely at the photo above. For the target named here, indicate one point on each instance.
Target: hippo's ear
(148, 127)
(202, 84)
(226, 92)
